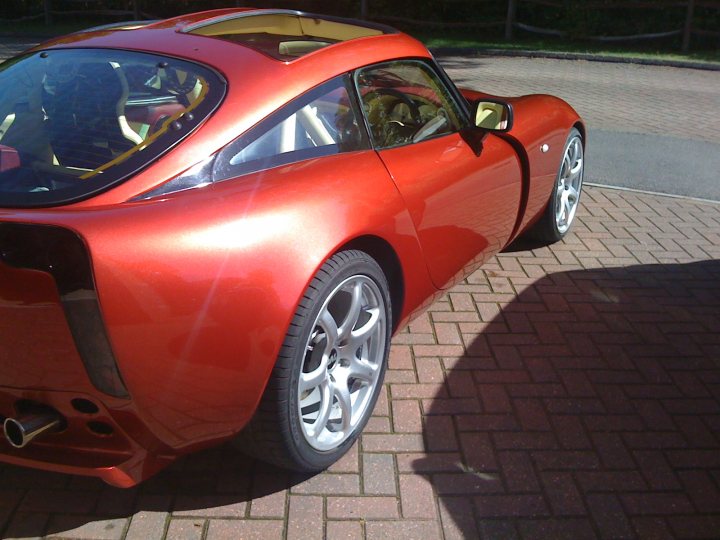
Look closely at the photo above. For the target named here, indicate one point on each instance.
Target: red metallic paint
(197, 289)
(538, 119)
(459, 198)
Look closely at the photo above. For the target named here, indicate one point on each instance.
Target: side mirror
(493, 115)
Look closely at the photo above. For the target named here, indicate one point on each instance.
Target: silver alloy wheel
(342, 363)
(569, 184)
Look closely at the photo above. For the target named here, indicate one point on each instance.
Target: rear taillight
(62, 254)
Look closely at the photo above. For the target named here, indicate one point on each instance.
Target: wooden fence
(687, 29)
(511, 22)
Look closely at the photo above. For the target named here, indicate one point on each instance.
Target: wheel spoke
(327, 323)
(324, 412)
(362, 334)
(342, 393)
(362, 369)
(567, 208)
(566, 166)
(353, 314)
(308, 381)
(574, 149)
(560, 204)
(575, 171)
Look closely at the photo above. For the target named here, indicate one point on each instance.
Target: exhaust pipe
(21, 431)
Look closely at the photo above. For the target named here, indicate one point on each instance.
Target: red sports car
(210, 227)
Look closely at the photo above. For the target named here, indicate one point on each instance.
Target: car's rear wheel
(330, 370)
(565, 197)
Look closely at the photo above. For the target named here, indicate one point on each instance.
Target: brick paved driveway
(562, 392)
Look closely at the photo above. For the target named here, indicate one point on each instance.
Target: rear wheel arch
(335, 375)
(382, 252)
(385, 255)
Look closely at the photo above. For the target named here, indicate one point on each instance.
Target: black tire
(277, 433)
(547, 230)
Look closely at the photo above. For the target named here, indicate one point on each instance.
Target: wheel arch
(385, 255)
(581, 128)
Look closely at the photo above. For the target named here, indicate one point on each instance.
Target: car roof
(257, 84)
(283, 34)
(225, 37)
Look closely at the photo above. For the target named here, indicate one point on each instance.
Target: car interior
(69, 121)
(404, 103)
(326, 125)
(280, 35)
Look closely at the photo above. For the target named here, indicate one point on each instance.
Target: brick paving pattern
(570, 391)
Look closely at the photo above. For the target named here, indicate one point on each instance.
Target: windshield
(74, 122)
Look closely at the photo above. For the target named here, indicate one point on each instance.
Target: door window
(406, 102)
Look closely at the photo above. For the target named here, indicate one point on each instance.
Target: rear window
(285, 35)
(75, 122)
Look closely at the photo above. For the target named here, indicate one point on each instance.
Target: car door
(462, 189)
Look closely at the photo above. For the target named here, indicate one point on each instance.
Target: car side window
(406, 102)
(322, 122)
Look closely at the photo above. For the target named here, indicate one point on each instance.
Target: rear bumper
(189, 333)
(125, 474)
(91, 443)
(51, 338)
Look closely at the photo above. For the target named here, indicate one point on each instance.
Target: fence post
(687, 31)
(136, 10)
(510, 21)
(48, 14)
(363, 9)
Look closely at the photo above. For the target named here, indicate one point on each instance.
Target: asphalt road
(656, 163)
(651, 128)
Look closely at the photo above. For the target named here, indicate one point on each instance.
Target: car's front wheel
(330, 369)
(564, 201)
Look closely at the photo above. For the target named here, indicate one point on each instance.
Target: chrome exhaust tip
(23, 430)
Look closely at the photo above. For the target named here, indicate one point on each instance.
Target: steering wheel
(432, 126)
(403, 98)
(175, 86)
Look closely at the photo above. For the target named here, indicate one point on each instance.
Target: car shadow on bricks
(215, 483)
(589, 406)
